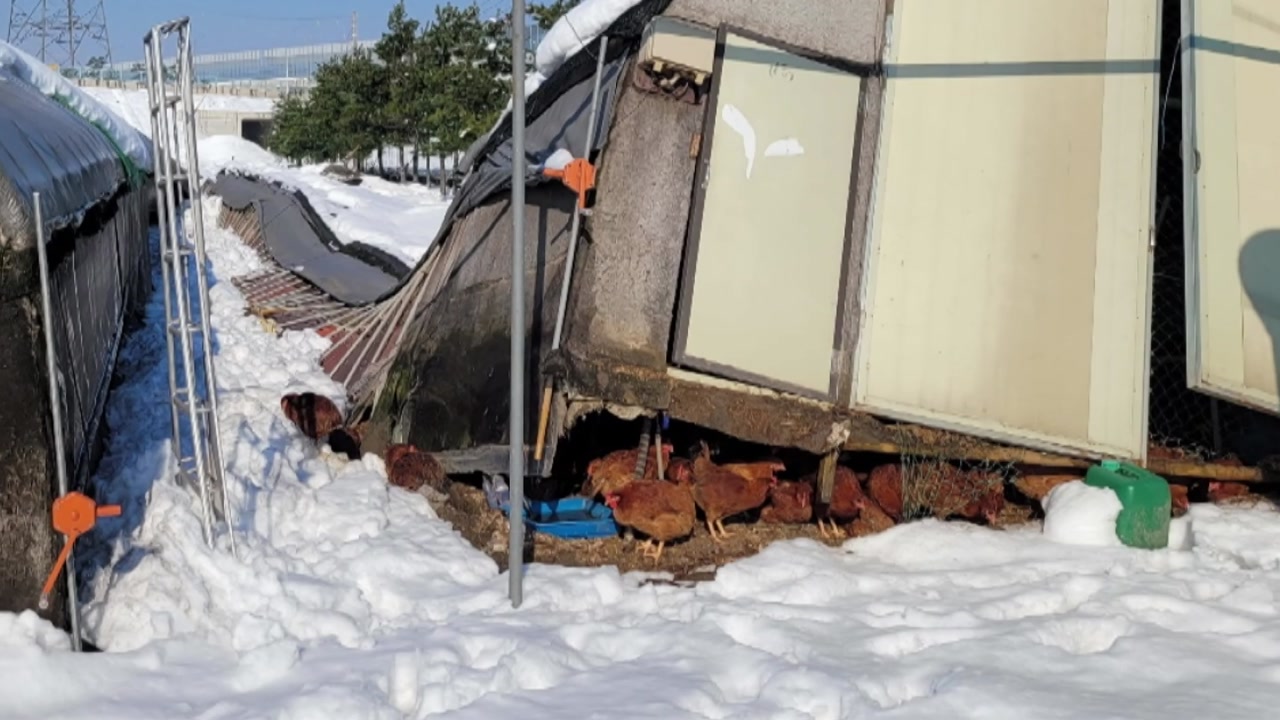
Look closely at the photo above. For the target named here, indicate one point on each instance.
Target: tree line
(433, 87)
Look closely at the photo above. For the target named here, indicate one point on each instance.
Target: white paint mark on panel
(788, 147)
(738, 122)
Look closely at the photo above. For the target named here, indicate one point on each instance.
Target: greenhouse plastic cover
(31, 71)
(299, 240)
(48, 148)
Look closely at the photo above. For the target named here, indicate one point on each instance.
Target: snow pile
(27, 69)
(575, 29)
(402, 219)
(228, 152)
(28, 633)
(134, 105)
(1079, 514)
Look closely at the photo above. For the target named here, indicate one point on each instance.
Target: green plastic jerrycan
(1144, 521)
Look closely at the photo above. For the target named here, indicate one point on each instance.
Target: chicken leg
(645, 546)
(711, 528)
(833, 532)
(656, 552)
(723, 533)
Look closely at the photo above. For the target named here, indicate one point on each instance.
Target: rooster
(723, 493)
(663, 511)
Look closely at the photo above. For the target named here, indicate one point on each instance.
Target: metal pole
(577, 212)
(544, 414)
(55, 407)
(515, 513)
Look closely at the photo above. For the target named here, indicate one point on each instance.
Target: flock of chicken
(664, 509)
(664, 501)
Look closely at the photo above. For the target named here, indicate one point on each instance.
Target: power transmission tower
(63, 33)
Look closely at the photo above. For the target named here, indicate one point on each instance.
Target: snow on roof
(28, 69)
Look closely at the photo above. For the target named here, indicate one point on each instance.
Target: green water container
(1144, 521)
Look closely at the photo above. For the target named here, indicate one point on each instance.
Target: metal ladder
(192, 386)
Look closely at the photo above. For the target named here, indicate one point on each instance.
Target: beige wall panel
(1007, 292)
(1233, 216)
(765, 289)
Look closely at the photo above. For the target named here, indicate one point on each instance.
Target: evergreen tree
(398, 51)
(547, 14)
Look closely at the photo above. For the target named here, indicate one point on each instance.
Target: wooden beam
(935, 443)
(827, 476)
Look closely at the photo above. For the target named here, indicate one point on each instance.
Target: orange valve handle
(579, 176)
(74, 514)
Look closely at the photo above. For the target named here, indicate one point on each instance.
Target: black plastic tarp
(47, 148)
(298, 238)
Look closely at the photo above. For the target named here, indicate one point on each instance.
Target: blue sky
(228, 25)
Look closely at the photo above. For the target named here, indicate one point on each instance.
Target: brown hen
(680, 471)
(1222, 491)
(1038, 487)
(315, 415)
(1178, 497)
(611, 472)
(662, 511)
(414, 468)
(790, 503)
(765, 470)
(844, 505)
(395, 452)
(872, 519)
(722, 493)
(884, 485)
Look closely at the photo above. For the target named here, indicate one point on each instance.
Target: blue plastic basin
(572, 518)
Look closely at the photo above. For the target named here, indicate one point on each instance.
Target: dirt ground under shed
(694, 559)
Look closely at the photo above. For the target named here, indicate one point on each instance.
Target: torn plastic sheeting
(300, 241)
(47, 148)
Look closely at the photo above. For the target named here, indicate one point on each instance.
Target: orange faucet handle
(74, 514)
(579, 176)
